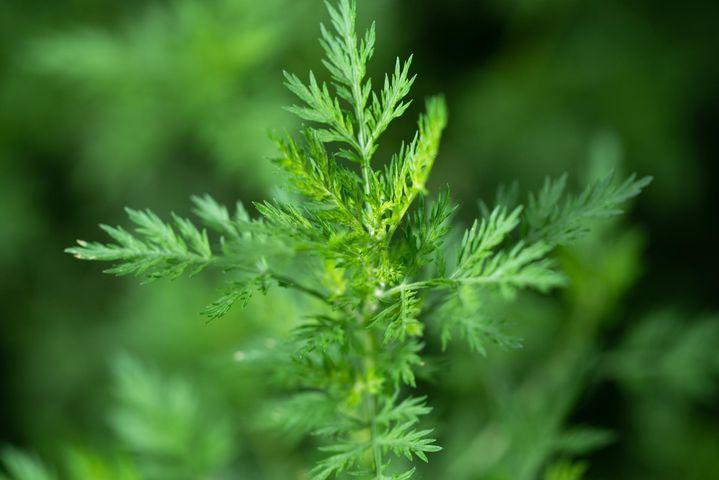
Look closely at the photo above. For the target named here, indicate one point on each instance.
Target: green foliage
(166, 428)
(564, 470)
(559, 221)
(661, 353)
(392, 431)
(359, 350)
(170, 75)
(468, 314)
(158, 251)
(84, 465)
(168, 425)
(22, 466)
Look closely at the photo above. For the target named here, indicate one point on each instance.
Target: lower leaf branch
(288, 282)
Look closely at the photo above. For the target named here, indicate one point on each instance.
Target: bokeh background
(143, 103)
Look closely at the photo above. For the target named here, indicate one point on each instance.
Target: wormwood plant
(374, 252)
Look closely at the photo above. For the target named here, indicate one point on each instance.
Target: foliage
(166, 428)
(564, 470)
(168, 424)
(178, 74)
(22, 466)
(85, 465)
(559, 222)
(361, 350)
(663, 354)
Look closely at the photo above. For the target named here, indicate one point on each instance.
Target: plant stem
(369, 365)
(376, 447)
(291, 283)
(411, 286)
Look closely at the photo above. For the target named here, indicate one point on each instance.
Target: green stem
(291, 283)
(376, 447)
(369, 365)
(437, 282)
(365, 175)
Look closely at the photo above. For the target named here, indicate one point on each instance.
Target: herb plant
(373, 249)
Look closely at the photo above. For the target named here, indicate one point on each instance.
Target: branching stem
(291, 283)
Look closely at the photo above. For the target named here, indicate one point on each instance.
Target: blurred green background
(142, 103)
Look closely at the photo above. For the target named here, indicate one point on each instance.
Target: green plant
(22, 466)
(176, 74)
(163, 428)
(376, 255)
(168, 425)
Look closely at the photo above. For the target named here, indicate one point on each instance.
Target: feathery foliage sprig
(381, 255)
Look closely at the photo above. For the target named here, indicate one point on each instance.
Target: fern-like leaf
(158, 249)
(558, 220)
